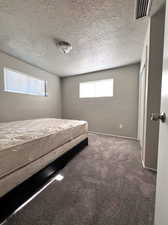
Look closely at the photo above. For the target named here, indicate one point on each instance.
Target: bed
(28, 146)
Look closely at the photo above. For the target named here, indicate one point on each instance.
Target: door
(161, 209)
(143, 105)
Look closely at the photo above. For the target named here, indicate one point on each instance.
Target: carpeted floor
(103, 185)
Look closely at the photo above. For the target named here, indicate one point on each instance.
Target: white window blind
(21, 83)
(95, 89)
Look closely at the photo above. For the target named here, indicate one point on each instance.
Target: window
(21, 83)
(95, 89)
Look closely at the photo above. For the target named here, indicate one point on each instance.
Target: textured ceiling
(103, 33)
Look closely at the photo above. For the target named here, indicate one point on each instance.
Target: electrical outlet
(121, 126)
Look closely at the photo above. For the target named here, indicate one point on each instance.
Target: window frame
(5, 89)
(97, 81)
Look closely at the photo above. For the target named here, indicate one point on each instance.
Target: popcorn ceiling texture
(104, 34)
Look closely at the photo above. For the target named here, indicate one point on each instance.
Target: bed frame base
(17, 198)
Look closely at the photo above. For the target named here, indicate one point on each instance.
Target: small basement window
(96, 89)
(18, 82)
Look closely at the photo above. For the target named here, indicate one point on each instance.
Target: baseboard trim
(113, 135)
(148, 168)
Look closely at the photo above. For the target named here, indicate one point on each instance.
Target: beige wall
(105, 114)
(21, 106)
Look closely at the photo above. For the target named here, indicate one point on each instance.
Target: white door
(161, 210)
(142, 105)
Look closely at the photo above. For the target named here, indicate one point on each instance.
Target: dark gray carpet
(103, 185)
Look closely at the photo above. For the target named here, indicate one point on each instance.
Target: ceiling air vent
(142, 8)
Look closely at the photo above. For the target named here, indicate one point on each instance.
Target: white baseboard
(148, 168)
(113, 135)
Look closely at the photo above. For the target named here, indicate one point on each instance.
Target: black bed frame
(23, 193)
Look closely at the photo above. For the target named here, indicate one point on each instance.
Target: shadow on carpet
(104, 184)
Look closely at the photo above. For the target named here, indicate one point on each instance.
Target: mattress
(22, 142)
(13, 179)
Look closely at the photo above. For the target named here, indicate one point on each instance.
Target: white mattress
(13, 179)
(22, 142)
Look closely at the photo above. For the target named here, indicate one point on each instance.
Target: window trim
(5, 89)
(96, 81)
